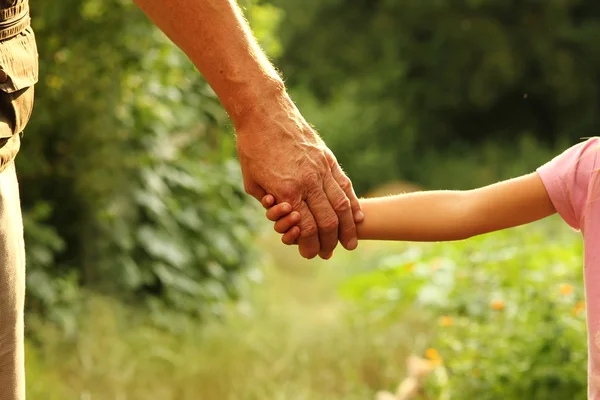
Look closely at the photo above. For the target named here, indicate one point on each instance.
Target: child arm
(456, 215)
(438, 215)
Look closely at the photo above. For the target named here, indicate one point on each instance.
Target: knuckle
(348, 230)
(345, 183)
(309, 231)
(289, 192)
(342, 205)
(313, 181)
(330, 225)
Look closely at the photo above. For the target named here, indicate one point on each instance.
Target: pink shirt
(573, 185)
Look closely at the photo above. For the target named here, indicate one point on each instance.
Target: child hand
(285, 219)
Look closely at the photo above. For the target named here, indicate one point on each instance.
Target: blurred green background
(152, 275)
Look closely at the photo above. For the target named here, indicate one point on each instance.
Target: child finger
(268, 201)
(291, 236)
(286, 223)
(278, 211)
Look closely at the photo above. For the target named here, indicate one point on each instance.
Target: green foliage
(287, 339)
(395, 87)
(509, 307)
(127, 174)
(498, 310)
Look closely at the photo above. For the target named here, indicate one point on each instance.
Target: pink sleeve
(569, 180)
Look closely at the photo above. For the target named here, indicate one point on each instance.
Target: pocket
(18, 75)
(15, 111)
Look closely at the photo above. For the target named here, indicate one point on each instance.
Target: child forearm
(422, 216)
(455, 215)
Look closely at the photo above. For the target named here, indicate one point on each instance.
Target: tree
(394, 86)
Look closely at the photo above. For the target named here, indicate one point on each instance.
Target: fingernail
(359, 216)
(352, 244)
(287, 208)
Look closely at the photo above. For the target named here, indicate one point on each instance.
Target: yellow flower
(566, 289)
(446, 320)
(433, 356)
(410, 266)
(497, 305)
(578, 308)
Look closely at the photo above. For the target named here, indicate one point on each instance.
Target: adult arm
(279, 152)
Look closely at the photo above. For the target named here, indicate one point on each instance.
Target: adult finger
(278, 211)
(308, 241)
(346, 185)
(288, 222)
(341, 206)
(327, 221)
(291, 236)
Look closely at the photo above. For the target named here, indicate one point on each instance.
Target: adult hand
(282, 155)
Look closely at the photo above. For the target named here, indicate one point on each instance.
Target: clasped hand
(282, 156)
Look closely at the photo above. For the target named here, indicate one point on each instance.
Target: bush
(416, 86)
(509, 308)
(128, 177)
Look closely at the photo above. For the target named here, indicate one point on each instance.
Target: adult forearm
(423, 216)
(218, 40)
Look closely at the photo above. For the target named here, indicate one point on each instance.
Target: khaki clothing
(18, 66)
(18, 74)
(14, 17)
(12, 288)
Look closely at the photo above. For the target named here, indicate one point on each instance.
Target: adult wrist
(253, 103)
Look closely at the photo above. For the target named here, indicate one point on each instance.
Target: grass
(292, 338)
